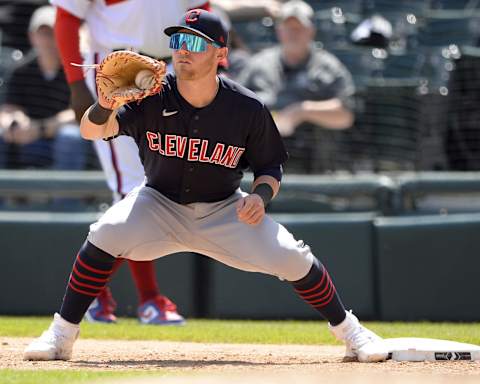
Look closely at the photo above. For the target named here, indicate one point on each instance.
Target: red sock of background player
(90, 273)
(317, 289)
(143, 273)
(117, 264)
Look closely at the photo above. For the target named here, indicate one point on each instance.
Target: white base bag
(421, 349)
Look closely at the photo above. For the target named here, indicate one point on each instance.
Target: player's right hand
(81, 98)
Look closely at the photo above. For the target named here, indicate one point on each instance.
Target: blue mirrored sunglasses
(193, 43)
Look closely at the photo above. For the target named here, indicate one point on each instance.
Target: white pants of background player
(118, 157)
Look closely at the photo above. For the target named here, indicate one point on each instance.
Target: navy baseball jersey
(199, 154)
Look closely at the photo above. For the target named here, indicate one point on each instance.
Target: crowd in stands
(353, 85)
(38, 126)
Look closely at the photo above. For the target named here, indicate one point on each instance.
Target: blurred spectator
(14, 18)
(251, 21)
(248, 8)
(238, 52)
(307, 89)
(238, 56)
(375, 31)
(38, 128)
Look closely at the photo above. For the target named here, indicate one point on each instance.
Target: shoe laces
(49, 336)
(358, 336)
(54, 333)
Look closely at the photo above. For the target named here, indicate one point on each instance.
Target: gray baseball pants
(146, 225)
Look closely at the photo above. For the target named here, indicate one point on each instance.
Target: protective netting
(416, 90)
(32, 96)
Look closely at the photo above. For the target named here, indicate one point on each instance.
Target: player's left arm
(265, 153)
(271, 181)
(251, 208)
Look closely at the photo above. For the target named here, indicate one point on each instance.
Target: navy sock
(317, 289)
(90, 273)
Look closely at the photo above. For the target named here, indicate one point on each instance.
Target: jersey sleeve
(265, 148)
(78, 8)
(131, 120)
(67, 34)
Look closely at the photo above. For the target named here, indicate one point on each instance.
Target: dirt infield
(233, 359)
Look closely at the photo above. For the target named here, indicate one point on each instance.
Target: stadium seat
(416, 7)
(463, 133)
(442, 28)
(432, 126)
(388, 123)
(358, 61)
(453, 4)
(14, 19)
(9, 57)
(437, 66)
(333, 27)
(405, 26)
(406, 65)
(257, 33)
(347, 6)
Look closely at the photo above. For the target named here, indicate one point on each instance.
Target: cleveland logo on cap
(203, 23)
(192, 16)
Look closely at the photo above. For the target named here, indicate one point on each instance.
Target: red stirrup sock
(90, 273)
(317, 289)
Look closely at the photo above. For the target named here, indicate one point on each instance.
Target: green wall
(389, 268)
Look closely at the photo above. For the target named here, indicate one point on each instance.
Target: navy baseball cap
(206, 24)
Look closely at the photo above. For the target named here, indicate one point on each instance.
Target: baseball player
(113, 25)
(195, 137)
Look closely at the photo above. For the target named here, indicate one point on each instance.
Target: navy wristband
(265, 191)
(99, 115)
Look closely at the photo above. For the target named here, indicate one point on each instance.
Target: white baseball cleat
(361, 343)
(56, 343)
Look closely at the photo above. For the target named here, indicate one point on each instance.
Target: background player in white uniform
(113, 25)
(191, 201)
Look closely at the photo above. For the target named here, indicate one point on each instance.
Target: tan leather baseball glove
(117, 74)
